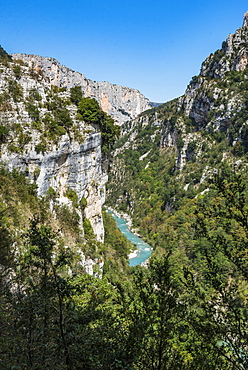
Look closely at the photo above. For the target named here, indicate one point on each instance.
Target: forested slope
(181, 175)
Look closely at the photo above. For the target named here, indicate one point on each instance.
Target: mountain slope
(166, 154)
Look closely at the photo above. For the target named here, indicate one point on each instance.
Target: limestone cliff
(122, 103)
(213, 85)
(41, 136)
(216, 99)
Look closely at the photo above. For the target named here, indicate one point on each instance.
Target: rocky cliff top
(245, 22)
(233, 56)
(122, 103)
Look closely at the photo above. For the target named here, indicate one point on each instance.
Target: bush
(17, 71)
(83, 203)
(90, 112)
(4, 54)
(41, 147)
(15, 90)
(88, 230)
(72, 195)
(3, 133)
(34, 95)
(76, 94)
(33, 111)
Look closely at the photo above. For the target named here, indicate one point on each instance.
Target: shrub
(33, 111)
(72, 195)
(88, 230)
(41, 147)
(17, 71)
(4, 54)
(34, 95)
(83, 203)
(76, 94)
(3, 133)
(15, 90)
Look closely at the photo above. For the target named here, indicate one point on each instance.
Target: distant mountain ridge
(122, 103)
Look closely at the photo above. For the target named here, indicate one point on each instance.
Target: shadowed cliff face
(122, 103)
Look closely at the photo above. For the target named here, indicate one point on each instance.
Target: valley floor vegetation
(188, 310)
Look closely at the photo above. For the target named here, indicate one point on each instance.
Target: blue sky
(154, 46)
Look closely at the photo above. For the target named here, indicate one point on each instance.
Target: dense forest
(188, 310)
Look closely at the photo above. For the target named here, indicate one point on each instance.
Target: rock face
(233, 56)
(212, 90)
(42, 136)
(69, 165)
(216, 100)
(122, 103)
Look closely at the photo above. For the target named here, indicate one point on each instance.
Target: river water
(144, 249)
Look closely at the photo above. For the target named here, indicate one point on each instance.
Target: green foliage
(56, 89)
(188, 310)
(4, 54)
(51, 193)
(69, 221)
(57, 121)
(33, 111)
(123, 112)
(90, 112)
(194, 80)
(76, 94)
(23, 139)
(4, 102)
(34, 95)
(116, 243)
(15, 90)
(62, 118)
(54, 129)
(41, 147)
(215, 59)
(88, 230)
(83, 203)
(17, 71)
(3, 133)
(72, 195)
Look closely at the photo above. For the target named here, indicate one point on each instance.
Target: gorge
(142, 251)
(69, 300)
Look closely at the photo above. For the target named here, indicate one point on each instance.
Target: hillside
(181, 170)
(167, 153)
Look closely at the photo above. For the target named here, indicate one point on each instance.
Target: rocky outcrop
(57, 160)
(233, 56)
(122, 103)
(69, 165)
(211, 91)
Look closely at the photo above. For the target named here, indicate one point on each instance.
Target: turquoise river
(144, 249)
